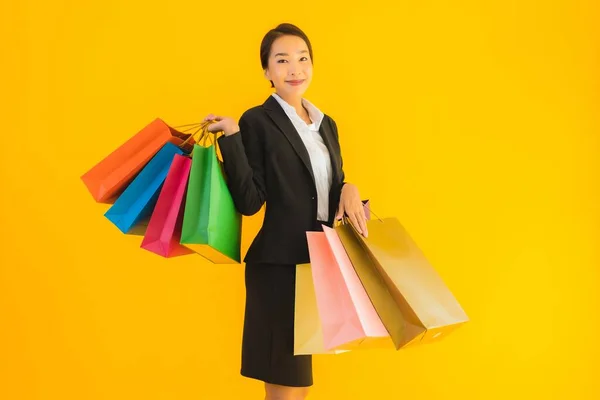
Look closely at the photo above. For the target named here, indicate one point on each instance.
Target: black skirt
(268, 338)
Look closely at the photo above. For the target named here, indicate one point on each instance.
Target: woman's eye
(302, 59)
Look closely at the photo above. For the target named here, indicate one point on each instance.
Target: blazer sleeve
(244, 165)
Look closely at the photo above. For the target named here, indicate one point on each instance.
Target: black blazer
(266, 161)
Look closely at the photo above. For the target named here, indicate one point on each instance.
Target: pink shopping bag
(164, 228)
(347, 315)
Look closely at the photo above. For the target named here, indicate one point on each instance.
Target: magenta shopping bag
(164, 228)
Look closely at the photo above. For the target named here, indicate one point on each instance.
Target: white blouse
(319, 155)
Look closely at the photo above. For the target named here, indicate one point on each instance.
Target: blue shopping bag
(139, 198)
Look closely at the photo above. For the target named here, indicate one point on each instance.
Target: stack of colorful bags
(169, 186)
(356, 293)
(365, 293)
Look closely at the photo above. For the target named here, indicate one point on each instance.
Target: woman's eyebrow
(286, 54)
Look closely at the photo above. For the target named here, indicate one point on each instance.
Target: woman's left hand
(351, 204)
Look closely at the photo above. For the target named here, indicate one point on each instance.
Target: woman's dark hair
(280, 30)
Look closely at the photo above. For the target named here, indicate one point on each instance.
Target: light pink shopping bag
(347, 316)
(370, 321)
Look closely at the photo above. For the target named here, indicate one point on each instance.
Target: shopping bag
(138, 200)
(107, 179)
(308, 332)
(410, 297)
(164, 229)
(140, 227)
(346, 312)
(374, 334)
(211, 222)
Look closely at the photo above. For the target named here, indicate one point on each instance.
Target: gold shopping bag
(409, 296)
(308, 332)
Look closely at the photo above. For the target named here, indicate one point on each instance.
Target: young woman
(286, 153)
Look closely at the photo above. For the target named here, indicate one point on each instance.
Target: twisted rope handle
(186, 125)
(206, 136)
(200, 127)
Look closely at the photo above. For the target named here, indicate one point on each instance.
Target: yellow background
(475, 123)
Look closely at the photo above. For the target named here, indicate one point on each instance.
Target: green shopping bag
(212, 226)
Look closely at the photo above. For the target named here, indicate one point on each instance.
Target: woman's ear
(267, 77)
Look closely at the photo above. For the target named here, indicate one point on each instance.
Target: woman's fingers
(216, 123)
(363, 223)
(215, 127)
(355, 222)
(363, 218)
(340, 211)
(213, 117)
(359, 221)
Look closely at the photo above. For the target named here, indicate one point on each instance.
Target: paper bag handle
(206, 135)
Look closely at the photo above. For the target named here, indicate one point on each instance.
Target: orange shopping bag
(107, 179)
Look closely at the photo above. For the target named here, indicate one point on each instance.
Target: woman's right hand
(225, 124)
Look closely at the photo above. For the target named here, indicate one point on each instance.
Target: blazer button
(313, 197)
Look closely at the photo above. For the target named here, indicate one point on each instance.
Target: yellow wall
(475, 123)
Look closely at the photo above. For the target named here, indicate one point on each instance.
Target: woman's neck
(295, 102)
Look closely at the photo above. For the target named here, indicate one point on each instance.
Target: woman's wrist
(230, 130)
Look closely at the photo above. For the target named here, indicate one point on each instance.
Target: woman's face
(290, 66)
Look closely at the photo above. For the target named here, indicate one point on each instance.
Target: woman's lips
(296, 82)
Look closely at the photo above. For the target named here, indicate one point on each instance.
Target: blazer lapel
(282, 121)
(329, 139)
